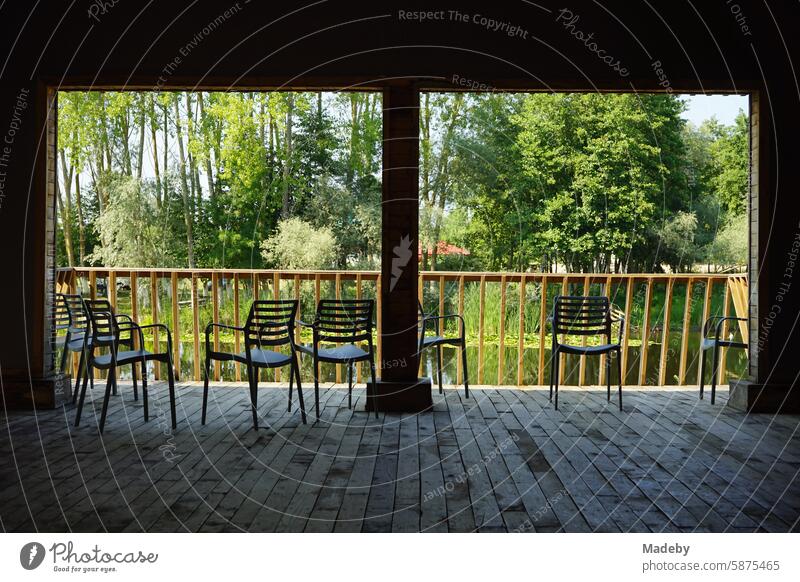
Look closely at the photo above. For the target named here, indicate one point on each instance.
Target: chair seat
(588, 350)
(265, 358)
(342, 354)
(123, 358)
(438, 340)
(708, 343)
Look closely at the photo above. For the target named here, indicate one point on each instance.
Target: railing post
(501, 344)
(687, 320)
(662, 363)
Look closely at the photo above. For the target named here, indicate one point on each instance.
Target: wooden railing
(512, 319)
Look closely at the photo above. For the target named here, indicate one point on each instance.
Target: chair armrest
(302, 323)
(210, 327)
(721, 322)
(445, 316)
(157, 326)
(709, 323)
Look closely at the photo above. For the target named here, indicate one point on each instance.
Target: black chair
(437, 341)
(585, 316)
(715, 342)
(61, 323)
(347, 322)
(71, 316)
(269, 324)
(106, 332)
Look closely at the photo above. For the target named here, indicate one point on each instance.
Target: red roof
(444, 248)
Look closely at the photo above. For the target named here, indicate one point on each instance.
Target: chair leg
(82, 398)
(552, 373)
(714, 370)
(374, 383)
(439, 367)
(110, 382)
(464, 367)
(702, 371)
(81, 365)
(296, 368)
(254, 396)
(316, 388)
(135, 383)
(619, 373)
(291, 385)
(171, 384)
(144, 391)
(350, 385)
(63, 365)
(205, 390)
(555, 375)
(608, 376)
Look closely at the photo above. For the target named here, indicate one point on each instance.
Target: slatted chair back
(344, 320)
(104, 327)
(76, 312)
(582, 315)
(61, 315)
(270, 323)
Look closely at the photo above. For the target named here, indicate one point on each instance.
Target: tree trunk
(81, 227)
(187, 207)
(140, 153)
(154, 140)
(287, 163)
(66, 209)
(207, 147)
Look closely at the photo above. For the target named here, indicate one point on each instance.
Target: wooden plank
(379, 325)
(542, 329)
(215, 309)
(501, 343)
(237, 345)
(338, 291)
(276, 295)
(482, 311)
(521, 333)
(176, 326)
(602, 372)
(627, 332)
(155, 319)
(687, 319)
(662, 362)
(582, 365)
(706, 313)
(112, 289)
(562, 357)
(358, 366)
(93, 285)
(648, 299)
(196, 330)
(459, 365)
(723, 351)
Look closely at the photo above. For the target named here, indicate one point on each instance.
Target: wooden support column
(400, 388)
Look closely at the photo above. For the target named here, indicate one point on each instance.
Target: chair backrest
(270, 323)
(101, 316)
(582, 315)
(61, 313)
(344, 320)
(76, 313)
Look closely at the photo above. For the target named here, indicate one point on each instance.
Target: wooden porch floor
(502, 460)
